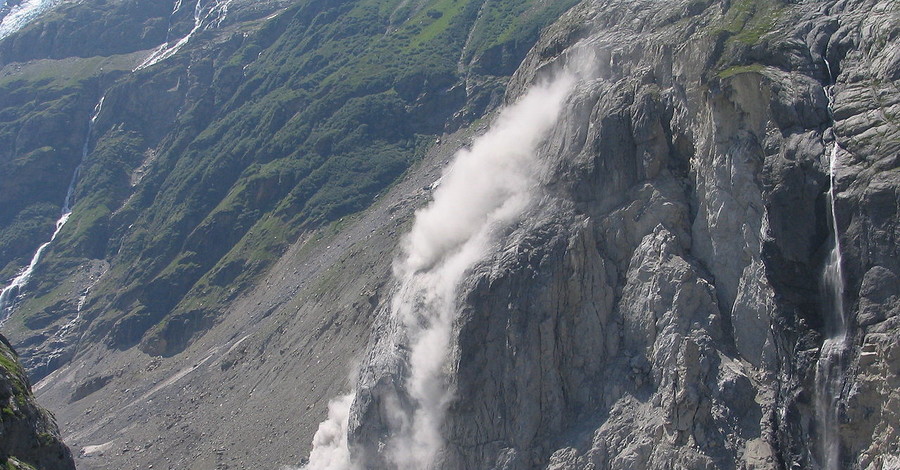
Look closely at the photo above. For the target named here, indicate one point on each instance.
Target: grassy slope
(286, 125)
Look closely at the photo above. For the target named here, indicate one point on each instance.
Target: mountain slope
(199, 169)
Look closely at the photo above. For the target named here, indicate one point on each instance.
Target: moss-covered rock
(29, 437)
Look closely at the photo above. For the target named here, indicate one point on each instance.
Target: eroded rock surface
(660, 307)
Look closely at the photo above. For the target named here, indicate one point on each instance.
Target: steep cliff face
(661, 305)
(29, 437)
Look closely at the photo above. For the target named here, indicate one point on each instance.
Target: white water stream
(209, 14)
(11, 291)
(831, 364)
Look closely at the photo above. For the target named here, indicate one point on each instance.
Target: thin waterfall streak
(830, 366)
(203, 19)
(9, 294)
(175, 9)
(834, 274)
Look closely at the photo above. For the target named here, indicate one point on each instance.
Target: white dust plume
(330, 450)
(483, 192)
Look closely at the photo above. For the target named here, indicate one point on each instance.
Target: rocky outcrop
(29, 438)
(660, 307)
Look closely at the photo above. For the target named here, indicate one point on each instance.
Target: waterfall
(208, 15)
(830, 366)
(12, 291)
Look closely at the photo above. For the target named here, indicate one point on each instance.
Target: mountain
(706, 274)
(456, 233)
(200, 160)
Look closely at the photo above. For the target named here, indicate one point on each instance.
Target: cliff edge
(29, 438)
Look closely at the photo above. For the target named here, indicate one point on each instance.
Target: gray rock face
(660, 307)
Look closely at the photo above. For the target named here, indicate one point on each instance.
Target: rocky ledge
(29, 437)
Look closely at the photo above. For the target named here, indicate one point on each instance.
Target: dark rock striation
(660, 307)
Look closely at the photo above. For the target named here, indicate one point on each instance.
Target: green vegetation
(37, 157)
(12, 371)
(64, 75)
(287, 126)
(746, 23)
(437, 20)
(12, 463)
(13, 386)
(512, 22)
(748, 20)
(739, 69)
